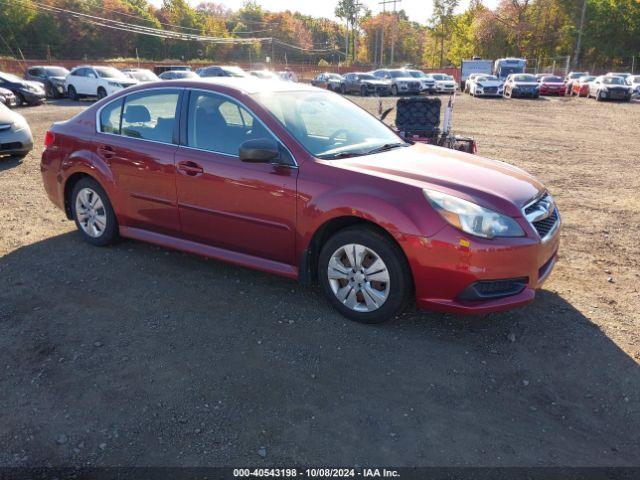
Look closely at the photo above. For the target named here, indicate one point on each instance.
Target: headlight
(115, 84)
(472, 218)
(20, 124)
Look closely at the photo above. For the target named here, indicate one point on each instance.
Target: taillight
(49, 138)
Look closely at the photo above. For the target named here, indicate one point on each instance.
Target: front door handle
(106, 151)
(189, 168)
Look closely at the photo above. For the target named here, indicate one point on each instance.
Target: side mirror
(261, 150)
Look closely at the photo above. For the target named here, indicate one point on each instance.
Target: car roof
(246, 85)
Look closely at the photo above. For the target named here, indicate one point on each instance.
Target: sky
(417, 10)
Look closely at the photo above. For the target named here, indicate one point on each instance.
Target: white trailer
(484, 67)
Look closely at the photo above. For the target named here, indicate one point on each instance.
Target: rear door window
(151, 115)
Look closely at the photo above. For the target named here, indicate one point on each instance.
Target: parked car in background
(580, 87)
(222, 71)
(330, 81)
(521, 85)
(608, 87)
(427, 84)
(178, 74)
(265, 74)
(634, 82)
(15, 135)
(142, 75)
(485, 86)
(401, 82)
(298, 181)
(364, 84)
(552, 85)
(26, 91)
(288, 75)
(469, 81)
(540, 76)
(444, 83)
(51, 77)
(624, 75)
(573, 77)
(7, 98)
(474, 67)
(96, 81)
(159, 69)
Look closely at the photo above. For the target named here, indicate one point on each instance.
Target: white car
(142, 75)
(94, 81)
(485, 86)
(634, 82)
(469, 81)
(444, 83)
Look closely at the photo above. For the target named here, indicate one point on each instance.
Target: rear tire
(93, 213)
(73, 95)
(374, 285)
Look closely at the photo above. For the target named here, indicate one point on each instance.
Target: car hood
(490, 83)
(7, 117)
(526, 84)
(553, 84)
(490, 183)
(57, 79)
(4, 91)
(376, 82)
(405, 79)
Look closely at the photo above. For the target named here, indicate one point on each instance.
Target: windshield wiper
(385, 147)
(334, 156)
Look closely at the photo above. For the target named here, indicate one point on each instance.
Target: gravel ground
(137, 355)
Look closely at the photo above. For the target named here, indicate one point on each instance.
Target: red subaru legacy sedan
(298, 181)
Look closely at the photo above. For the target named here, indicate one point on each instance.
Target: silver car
(15, 135)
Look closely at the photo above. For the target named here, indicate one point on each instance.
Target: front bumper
(446, 265)
(489, 93)
(33, 98)
(14, 142)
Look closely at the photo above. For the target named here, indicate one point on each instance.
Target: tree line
(598, 32)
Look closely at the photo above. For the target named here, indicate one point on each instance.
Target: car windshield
(552, 79)
(328, 126)
(587, 79)
(488, 78)
(576, 75)
(448, 77)
(56, 71)
(438, 76)
(334, 76)
(416, 74)
(144, 75)
(398, 73)
(235, 71)
(504, 71)
(524, 78)
(366, 76)
(613, 81)
(184, 74)
(110, 72)
(9, 77)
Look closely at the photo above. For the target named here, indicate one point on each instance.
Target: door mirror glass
(261, 150)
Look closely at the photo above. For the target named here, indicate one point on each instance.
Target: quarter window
(218, 124)
(110, 117)
(150, 115)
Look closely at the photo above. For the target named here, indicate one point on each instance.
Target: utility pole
(393, 29)
(576, 56)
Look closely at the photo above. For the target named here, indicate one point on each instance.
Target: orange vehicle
(580, 87)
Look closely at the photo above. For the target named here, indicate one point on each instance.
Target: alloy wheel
(91, 213)
(358, 277)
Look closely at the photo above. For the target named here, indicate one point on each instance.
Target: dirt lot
(136, 355)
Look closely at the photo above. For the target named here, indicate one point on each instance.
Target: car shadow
(7, 162)
(168, 358)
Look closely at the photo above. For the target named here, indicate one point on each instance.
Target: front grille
(491, 90)
(488, 289)
(414, 85)
(543, 227)
(546, 225)
(10, 146)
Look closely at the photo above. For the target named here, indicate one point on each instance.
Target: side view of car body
(608, 87)
(443, 83)
(26, 91)
(298, 181)
(634, 82)
(51, 77)
(96, 81)
(519, 85)
(580, 87)
(15, 135)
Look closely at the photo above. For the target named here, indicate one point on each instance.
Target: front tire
(364, 275)
(93, 213)
(394, 90)
(72, 93)
(101, 93)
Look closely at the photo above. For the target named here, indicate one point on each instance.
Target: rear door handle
(189, 168)
(106, 151)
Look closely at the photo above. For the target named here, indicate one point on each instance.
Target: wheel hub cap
(91, 214)
(358, 278)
